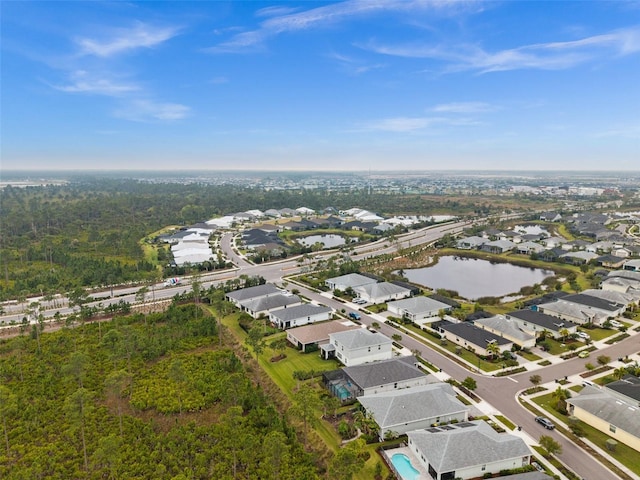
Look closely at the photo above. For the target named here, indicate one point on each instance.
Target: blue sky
(353, 85)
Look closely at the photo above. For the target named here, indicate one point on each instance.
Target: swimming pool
(403, 466)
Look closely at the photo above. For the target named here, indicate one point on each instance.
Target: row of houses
(284, 309)
(404, 400)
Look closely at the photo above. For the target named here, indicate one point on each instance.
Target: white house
(467, 450)
(351, 280)
(417, 308)
(381, 292)
(508, 328)
(263, 305)
(355, 347)
(299, 315)
(400, 411)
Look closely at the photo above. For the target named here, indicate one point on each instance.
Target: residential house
(577, 258)
(377, 377)
(471, 243)
(467, 450)
(632, 265)
(508, 328)
(471, 337)
(536, 322)
(355, 347)
(397, 412)
(551, 255)
(623, 252)
(498, 246)
(304, 211)
(351, 280)
(550, 217)
(510, 235)
(581, 309)
(316, 334)
(263, 305)
(527, 248)
(381, 292)
(600, 247)
(300, 315)
(258, 291)
(610, 261)
(553, 242)
(576, 245)
(603, 410)
(418, 309)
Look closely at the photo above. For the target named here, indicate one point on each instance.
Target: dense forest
(159, 396)
(88, 232)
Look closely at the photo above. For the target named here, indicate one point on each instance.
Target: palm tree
(561, 395)
(620, 372)
(564, 333)
(493, 349)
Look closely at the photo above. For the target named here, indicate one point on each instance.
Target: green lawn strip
(556, 463)
(599, 333)
(564, 232)
(450, 347)
(623, 453)
(506, 422)
(531, 357)
(282, 372)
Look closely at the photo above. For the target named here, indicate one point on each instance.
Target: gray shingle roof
(360, 338)
(543, 320)
(384, 372)
(608, 408)
(418, 305)
(253, 292)
(472, 334)
(461, 447)
(593, 302)
(300, 311)
(505, 325)
(381, 289)
(412, 404)
(351, 280)
(270, 302)
(629, 386)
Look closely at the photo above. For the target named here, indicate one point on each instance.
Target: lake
(531, 230)
(329, 241)
(474, 278)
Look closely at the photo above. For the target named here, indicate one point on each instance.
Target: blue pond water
(403, 466)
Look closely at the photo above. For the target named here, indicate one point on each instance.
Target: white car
(615, 324)
(583, 335)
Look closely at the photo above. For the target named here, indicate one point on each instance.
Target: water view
(531, 230)
(474, 278)
(328, 241)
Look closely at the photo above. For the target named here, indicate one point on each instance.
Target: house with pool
(399, 411)
(466, 450)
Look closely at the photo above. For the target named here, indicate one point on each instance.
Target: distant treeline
(87, 232)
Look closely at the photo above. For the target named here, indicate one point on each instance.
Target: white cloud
(282, 20)
(414, 124)
(125, 39)
(355, 66)
(543, 56)
(464, 107)
(84, 82)
(147, 110)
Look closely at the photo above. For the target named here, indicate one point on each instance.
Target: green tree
(493, 349)
(8, 406)
(305, 407)
(348, 460)
(78, 407)
(255, 339)
(469, 383)
(561, 395)
(535, 379)
(550, 446)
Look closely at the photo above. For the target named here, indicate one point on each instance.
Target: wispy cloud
(148, 110)
(354, 66)
(83, 82)
(282, 21)
(123, 40)
(415, 124)
(464, 107)
(543, 56)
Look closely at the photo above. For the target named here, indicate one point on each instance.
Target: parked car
(545, 422)
(615, 324)
(583, 354)
(584, 335)
(354, 315)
